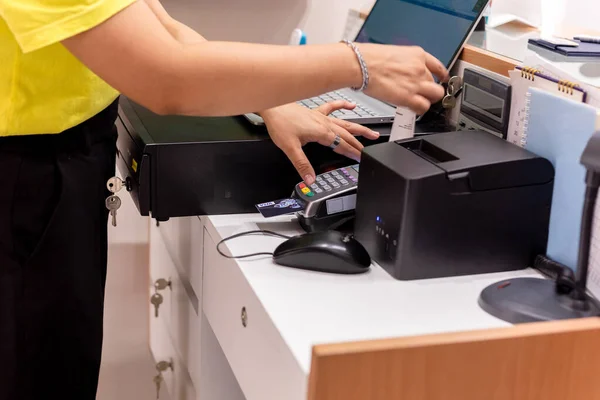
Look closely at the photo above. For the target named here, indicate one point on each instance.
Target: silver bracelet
(363, 67)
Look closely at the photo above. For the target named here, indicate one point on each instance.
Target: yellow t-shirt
(43, 87)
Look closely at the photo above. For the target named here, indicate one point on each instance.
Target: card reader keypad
(330, 183)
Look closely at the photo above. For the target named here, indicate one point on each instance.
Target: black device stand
(531, 299)
(343, 222)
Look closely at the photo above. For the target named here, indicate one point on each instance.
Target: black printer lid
(490, 162)
(152, 128)
(158, 129)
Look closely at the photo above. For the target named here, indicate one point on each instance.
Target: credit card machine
(329, 203)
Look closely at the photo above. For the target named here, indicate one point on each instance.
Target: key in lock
(156, 300)
(161, 367)
(113, 203)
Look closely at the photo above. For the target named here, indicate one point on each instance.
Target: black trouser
(53, 253)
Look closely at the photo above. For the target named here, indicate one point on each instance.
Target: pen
(298, 38)
(588, 39)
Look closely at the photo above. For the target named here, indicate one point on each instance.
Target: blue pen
(298, 38)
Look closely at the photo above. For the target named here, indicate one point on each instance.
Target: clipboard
(523, 78)
(585, 49)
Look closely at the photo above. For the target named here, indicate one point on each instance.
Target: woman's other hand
(292, 126)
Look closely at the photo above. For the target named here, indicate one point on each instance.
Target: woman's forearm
(183, 33)
(133, 52)
(136, 54)
(243, 77)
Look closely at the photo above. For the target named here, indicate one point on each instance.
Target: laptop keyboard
(358, 111)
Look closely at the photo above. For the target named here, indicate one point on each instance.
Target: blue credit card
(280, 207)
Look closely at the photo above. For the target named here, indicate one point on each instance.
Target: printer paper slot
(428, 151)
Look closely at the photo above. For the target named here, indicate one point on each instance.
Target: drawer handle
(244, 317)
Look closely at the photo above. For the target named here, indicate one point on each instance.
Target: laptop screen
(440, 27)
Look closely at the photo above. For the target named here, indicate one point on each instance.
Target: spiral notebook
(559, 129)
(523, 78)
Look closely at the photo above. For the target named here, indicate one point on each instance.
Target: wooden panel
(543, 361)
(488, 60)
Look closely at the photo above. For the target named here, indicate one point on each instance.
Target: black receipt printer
(451, 204)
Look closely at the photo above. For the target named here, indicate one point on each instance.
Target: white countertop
(310, 308)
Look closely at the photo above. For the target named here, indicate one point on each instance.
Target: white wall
(325, 20)
(265, 21)
(581, 15)
(260, 21)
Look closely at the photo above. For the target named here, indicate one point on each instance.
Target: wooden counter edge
(488, 60)
(550, 360)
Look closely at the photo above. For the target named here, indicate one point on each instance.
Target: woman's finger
(347, 151)
(300, 161)
(348, 137)
(432, 91)
(436, 67)
(356, 129)
(332, 106)
(419, 104)
(334, 130)
(343, 147)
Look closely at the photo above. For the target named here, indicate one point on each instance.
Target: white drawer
(185, 329)
(161, 267)
(217, 381)
(256, 353)
(177, 380)
(167, 330)
(183, 238)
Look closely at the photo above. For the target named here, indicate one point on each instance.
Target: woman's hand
(404, 76)
(292, 126)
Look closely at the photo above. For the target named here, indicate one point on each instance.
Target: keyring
(455, 87)
(336, 142)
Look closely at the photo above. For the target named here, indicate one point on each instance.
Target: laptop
(440, 27)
